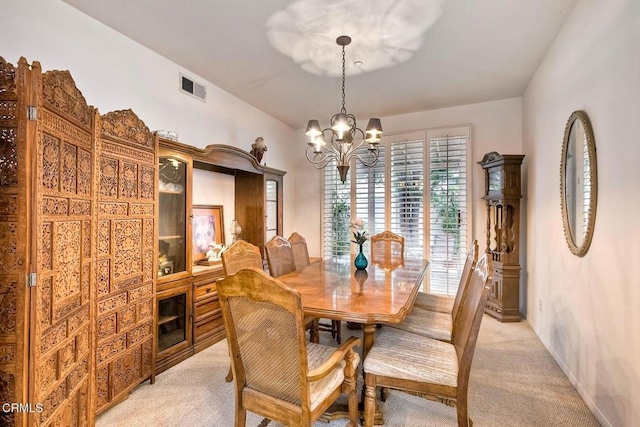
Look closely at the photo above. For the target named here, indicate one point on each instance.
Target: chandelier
(345, 137)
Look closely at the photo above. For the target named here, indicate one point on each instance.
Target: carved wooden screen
(61, 368)
(126, 255)
(13, 227)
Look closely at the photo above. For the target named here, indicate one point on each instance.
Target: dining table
(383, 293)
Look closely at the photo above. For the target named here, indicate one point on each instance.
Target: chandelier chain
(344, 110)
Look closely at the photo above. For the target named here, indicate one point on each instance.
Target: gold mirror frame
(579, 250)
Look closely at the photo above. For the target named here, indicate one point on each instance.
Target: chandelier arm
(339, 151)
(355, 145)
(335, 146)
(368, 163)
(320, 166)
(319, 158)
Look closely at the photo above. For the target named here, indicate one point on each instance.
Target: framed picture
(207, 229)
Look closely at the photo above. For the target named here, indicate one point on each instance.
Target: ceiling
(476, 51)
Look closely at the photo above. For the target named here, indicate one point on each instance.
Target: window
(336, 213)
(412, 169)
(449, 208)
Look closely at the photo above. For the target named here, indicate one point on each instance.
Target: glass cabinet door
(172, 321)
(172, 221)
(271, 200)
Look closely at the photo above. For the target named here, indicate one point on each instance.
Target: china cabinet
(258, 190)
(174, 207)
(174, 285)
(502, 196)
(258, 208)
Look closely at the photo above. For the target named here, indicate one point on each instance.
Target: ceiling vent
(190, 87)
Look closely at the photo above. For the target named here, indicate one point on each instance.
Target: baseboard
(572, 379)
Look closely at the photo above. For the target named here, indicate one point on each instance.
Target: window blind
(407, 194)
(336, 215)
(370, 200)
(419, 189)
(448, 211)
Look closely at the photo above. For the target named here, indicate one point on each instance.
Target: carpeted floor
(514, 382)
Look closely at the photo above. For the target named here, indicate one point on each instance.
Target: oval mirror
(578, 183)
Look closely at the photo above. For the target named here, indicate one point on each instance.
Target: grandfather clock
(503, 194)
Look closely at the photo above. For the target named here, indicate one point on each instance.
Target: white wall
(590, 315)
(495, 126)
(213, 188)
(113, 73)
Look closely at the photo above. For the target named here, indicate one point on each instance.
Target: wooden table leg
(340, 411)
(368, 330)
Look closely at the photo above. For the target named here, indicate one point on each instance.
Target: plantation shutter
(407, 194)
(448, 211)
(394, 194)
(370, 199)
(336, 215)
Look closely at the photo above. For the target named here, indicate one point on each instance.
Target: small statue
(213, 254)
(235, 230)
(258, 148)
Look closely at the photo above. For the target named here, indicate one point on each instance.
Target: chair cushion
(403, 355)
(317, 354)
(434, 302)
(427, 323)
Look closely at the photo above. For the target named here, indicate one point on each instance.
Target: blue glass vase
(361, 260)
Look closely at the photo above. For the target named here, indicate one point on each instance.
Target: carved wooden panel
(7, 394)
(86, 197)
(13, 225)
(8, 155)
(126, 254)
(65, 251)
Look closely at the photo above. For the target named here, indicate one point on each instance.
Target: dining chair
(430, 368)
(278, 374)
(439, 303)
(387, 252)
(437, 325)
(300, 251)
(239, 255)
(280, 259)
(387, 249)
(301, 260)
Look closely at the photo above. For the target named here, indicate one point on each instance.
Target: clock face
(495, 180)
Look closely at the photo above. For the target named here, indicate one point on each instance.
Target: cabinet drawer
(206, 290)
(207, 309)
(210, 327)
